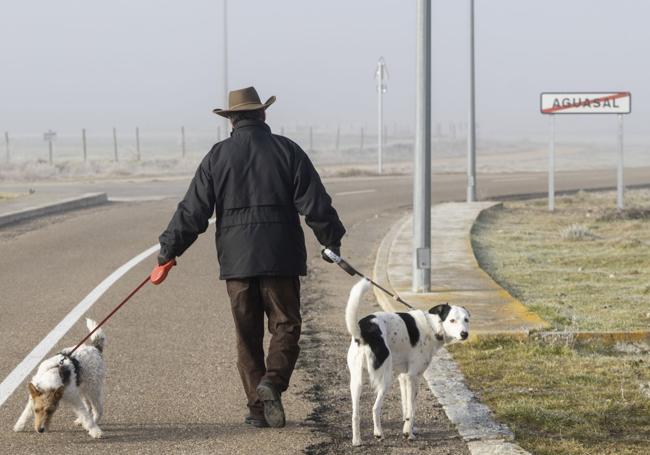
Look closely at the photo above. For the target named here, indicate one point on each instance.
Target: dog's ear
(33, 391)
(441, 310)
(58, 393)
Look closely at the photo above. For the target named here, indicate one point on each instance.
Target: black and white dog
(403, 343)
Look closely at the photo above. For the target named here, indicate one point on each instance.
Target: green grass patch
(585, 267)
(560, 399)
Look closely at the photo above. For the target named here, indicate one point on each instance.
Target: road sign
(586, 103)
(49, 135)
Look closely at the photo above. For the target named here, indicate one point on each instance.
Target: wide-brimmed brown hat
(245, 99)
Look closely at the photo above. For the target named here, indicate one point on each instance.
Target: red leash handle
(159, 274)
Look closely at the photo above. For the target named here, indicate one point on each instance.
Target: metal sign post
(50, 136)
(381, 76)
(620, 203)
(586, 103)
(551, 168)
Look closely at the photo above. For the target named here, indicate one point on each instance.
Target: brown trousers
(278, 298)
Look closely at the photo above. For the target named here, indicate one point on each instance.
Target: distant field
(584, 267)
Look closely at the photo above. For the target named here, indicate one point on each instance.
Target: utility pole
(338, 137)
(137, 143)
(422, 159)
(183, 141)
(225, 62)
(380, 75)
(115, 157)
(471, 124)
(83, 143)
(8, 156)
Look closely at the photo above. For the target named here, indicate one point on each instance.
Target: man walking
(258, 184)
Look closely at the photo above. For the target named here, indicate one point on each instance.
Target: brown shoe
(273, 410)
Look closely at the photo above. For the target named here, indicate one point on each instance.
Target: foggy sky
(73, 63)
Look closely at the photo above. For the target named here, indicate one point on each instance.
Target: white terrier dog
(404, 343)
(76, 379)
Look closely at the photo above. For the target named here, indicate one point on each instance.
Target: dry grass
(584, 267)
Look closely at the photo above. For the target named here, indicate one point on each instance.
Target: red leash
(157, 276)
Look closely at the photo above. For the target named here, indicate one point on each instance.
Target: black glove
(162, 260)
(334, 249)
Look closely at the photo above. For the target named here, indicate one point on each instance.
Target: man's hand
(159, 273)
(334, 249)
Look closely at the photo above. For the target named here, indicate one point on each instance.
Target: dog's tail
(352, 308)
(98, 339)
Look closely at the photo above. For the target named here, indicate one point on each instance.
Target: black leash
(352, 271)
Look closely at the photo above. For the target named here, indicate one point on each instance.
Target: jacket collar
(244, 125)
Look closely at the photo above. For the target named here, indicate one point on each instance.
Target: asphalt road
(172, 385)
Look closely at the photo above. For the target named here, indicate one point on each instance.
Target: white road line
(348, 193)
(18, 375)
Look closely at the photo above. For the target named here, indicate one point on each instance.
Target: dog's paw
(95, 433)
(379, 436)
(78, 422)
(409, 436)
(18, 428)
(356, 442)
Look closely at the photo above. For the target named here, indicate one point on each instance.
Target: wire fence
(138, 144)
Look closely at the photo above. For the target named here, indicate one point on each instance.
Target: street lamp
(471, 124)
(225, 63)
(381, 75)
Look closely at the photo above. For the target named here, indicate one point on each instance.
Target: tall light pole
(381, 75)
(422, 159)
(225, 63)
(471, 124)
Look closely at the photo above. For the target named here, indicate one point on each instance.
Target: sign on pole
(49, 136)
(586, 103)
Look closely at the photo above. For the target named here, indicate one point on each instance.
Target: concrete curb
(569, 192)
(64, 205)
(473, 420)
